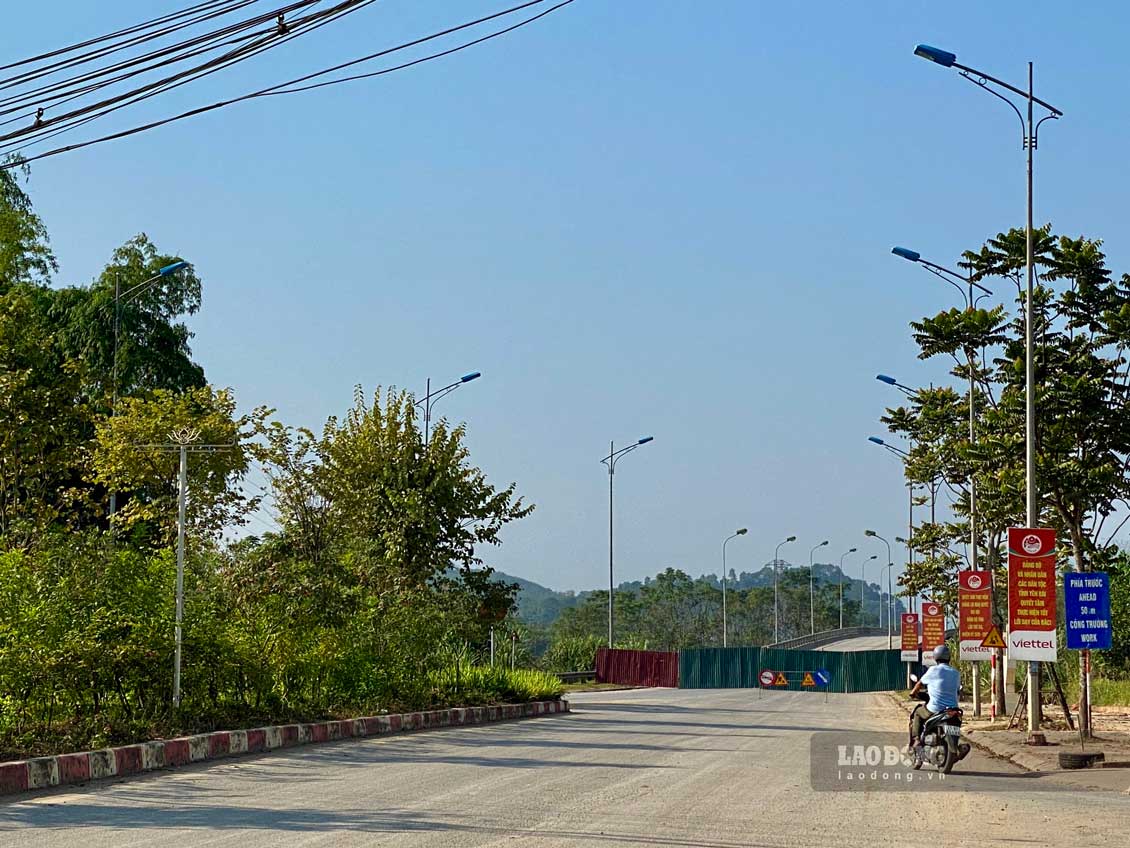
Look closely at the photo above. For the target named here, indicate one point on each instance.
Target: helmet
(942, 653)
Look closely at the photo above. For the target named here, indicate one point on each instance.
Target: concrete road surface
(700, 769)
(861, 643)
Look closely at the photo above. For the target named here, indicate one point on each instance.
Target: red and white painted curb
(64, 769)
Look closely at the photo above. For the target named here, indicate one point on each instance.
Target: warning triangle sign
(808, 681)
(780, 679)
(993, 639)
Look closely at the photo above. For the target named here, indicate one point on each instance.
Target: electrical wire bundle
(59, 92)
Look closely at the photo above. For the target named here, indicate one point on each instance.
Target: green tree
(134, 455)
(25, 253)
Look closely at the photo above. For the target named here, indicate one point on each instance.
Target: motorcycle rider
(942, 682)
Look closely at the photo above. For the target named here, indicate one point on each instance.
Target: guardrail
(575, 676)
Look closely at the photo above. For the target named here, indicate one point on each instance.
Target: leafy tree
(134, 454)
(42, 428)
(25, 253)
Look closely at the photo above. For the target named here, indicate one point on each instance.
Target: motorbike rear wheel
(951, 757)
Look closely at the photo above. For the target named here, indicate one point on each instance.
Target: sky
(634, 218)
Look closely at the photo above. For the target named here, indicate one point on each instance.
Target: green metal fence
(737, 668)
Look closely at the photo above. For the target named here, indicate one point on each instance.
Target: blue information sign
(1086, 604)
(823, 678)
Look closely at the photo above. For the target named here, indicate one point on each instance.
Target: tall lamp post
(429, 399)
(1030, 138)
(812, 590)
(614, 456)
(849, 551)
(736, 533)
(863, 586)
(950, 277)
(118, 298)
(890, 562)
(776, 604)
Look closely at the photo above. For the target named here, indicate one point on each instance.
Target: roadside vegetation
(354, 582)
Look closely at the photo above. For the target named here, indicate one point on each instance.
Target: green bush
(476, 684)
(86, 648)
(572, 653)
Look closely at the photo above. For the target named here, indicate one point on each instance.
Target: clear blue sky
(659, 217)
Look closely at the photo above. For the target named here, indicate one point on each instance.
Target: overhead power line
(292, 86)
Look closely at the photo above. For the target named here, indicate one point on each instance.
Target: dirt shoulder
(1112, 737)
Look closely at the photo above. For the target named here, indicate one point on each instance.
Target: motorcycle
(940, 744)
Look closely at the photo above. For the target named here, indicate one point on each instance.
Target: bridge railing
(827, 637)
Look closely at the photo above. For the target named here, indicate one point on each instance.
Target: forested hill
(540, 605)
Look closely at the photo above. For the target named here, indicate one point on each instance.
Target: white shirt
(942, 682)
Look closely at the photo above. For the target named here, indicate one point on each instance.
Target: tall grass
(476, 684)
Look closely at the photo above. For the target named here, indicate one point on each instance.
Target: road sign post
(974, 619)
(933, 630)
(1086, 608)
(1032, 606)
(908, 652)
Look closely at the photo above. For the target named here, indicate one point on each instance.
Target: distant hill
(541, 605)
(538, 604)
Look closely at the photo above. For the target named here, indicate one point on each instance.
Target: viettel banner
(974, 614)
(1031, 594)
(933, 629)
(909, 644)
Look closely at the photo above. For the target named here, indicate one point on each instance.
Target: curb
(68, 769)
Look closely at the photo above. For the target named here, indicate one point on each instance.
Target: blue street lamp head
(876, 440)
(941, 57)
(170, 269)
(645, 440)
(884, 378)
(474, 375)
(906, 253)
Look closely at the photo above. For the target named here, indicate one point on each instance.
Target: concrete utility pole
(183, 441)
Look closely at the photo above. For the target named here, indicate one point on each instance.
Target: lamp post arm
(981, 78)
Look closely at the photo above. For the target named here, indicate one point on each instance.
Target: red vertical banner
(909, 644)
(974, 614)
(933, 629)
(1031, 594)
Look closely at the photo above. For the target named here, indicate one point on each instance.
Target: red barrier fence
(638, 668)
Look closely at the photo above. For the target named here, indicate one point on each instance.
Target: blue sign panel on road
(1086, 605)
(822, 677)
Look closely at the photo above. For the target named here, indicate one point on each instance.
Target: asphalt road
(701, 769)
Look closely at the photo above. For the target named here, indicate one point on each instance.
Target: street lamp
(890, 603)
(776, 605)
(613, 457)
(890, 562)
(736, 533)
(951, 276)
(429, 399)
(1030, 138)
(118, 297)
(909, 485)
(849, 551)
(862, 586)
(812, 590)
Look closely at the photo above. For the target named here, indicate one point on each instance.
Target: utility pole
(183, 441)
